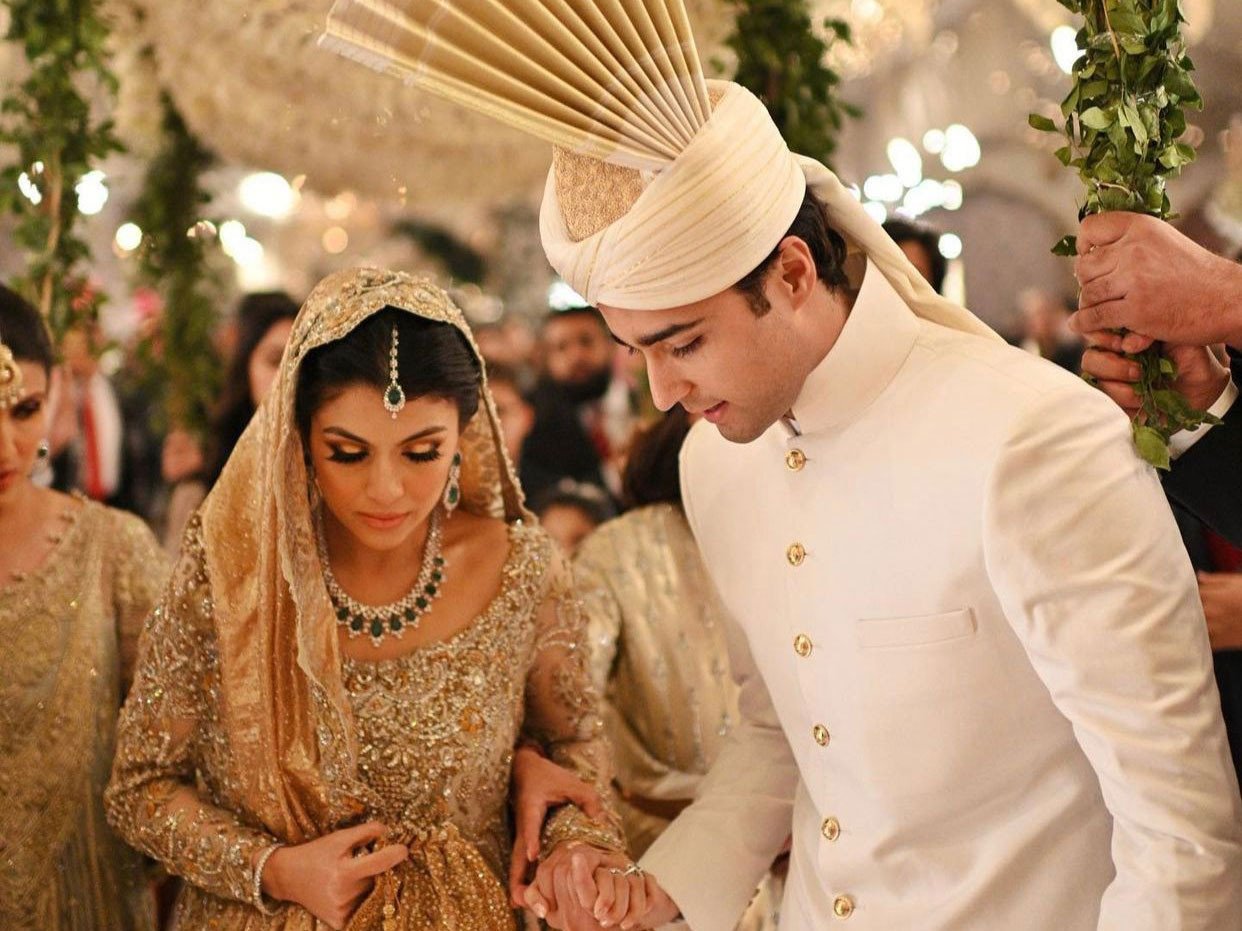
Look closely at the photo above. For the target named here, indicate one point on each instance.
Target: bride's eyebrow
(345, 435)
(353, 438)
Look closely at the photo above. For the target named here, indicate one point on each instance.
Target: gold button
(831, 828)
(796, 554)
(795, 459)
(802, 645)
(820, 733)
(843, 906)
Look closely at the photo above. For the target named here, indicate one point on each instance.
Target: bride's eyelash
(340, 455)
(430, 456)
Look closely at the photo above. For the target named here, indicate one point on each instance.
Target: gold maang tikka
(10, 378)
(394, 396)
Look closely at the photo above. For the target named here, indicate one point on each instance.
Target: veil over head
(283, 701)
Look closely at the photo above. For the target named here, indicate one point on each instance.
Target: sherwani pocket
(888, 632)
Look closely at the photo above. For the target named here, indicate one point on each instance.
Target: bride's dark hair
(433, 360)
(23, 330)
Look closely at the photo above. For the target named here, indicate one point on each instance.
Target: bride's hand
(539, 784)
(324, 877)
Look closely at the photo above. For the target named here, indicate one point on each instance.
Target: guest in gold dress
(363, 624)
(76, 580)
(658, 648)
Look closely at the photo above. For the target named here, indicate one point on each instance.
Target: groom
(975, 674)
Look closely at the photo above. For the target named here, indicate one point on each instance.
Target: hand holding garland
(1123, 118)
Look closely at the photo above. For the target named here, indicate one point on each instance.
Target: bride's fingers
(566, 902)
(607, 893)
(638, 902)
(518, 866)
(621, 904)
(381, 861)
(583, 883)
(535, 902)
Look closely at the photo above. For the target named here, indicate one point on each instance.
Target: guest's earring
(452, 491)
(43, 451)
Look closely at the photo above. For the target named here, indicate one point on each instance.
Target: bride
(364, 624)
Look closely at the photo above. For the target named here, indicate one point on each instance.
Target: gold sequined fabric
(444, 884)
(658, 654)
(244, 727)
(592, 194)
(69, 631)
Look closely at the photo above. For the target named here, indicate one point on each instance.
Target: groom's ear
(796, 274)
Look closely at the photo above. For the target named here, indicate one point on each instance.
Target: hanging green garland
(1123, 119)
(174, 259)
(781, 59)
(47, 120)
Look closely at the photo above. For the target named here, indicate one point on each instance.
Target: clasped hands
(577, 887)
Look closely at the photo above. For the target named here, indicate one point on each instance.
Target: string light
(267, 194)
(128, 237)
(950, 245)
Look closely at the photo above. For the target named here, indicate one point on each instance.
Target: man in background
(584, 413)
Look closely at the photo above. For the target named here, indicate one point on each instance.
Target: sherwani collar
(873, 345)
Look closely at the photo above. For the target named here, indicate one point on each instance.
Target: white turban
(714, 214)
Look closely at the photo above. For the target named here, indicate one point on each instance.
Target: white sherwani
(972, 657)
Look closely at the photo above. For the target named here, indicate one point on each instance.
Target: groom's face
(717, 358)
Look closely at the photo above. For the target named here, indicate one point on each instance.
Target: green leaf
(1095, 118)
(1152, 446)
(1042, 123)
(1068, 246)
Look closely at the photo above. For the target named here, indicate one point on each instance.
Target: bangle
(256, 888)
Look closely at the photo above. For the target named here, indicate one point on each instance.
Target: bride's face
(381, 477)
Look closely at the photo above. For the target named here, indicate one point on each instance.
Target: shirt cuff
(1182, 440)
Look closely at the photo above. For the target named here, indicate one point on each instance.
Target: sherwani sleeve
(714, 854)
(1084, 554)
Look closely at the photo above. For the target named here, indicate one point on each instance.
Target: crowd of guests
(597, 465)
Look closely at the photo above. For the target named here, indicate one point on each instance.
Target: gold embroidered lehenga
(69, 630)
(246, 726)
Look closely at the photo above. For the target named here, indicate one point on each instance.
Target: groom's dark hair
(433, 360)
(827, 250)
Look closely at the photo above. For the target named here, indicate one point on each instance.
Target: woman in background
(658, 648)
(73, 595)
(264, 321)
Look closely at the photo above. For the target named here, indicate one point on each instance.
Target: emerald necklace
(380, 621)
